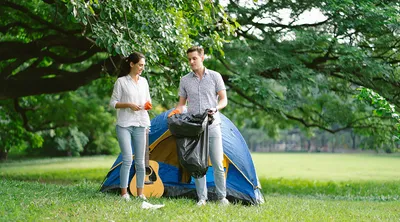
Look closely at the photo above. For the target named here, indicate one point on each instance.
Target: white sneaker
(142, 196)
(126, 197)
(146, 205)
(224, 202)
(201, 203)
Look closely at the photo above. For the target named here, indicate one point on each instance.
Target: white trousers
(216, 155)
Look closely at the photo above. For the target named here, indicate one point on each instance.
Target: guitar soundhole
(149, 171)
(150, 175)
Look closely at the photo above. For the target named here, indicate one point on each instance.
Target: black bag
(191, 132)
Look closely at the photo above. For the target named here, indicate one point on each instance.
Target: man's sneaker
(224, 202)
(201, 203)
(142, 196)
(126, 197)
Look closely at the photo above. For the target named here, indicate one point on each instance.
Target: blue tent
(241, 178)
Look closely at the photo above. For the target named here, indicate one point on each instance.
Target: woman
(131, 99)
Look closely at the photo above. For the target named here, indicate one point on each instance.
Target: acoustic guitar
(153, 186)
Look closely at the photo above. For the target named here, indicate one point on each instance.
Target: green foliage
(57, 46)
(13, 135)
(381, 105)
(303, 73)
(96, 119)
(42, 47)
(72, 141)
(383, 109)
(79, 123)
(162, 30)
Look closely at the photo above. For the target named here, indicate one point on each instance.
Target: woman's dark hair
(134, 57)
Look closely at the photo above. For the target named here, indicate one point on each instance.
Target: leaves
(304, 72)
(382, 108)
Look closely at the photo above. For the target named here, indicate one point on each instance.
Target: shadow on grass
(67, 176)
(372, 191)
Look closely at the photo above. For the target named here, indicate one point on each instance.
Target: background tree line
(59, 60)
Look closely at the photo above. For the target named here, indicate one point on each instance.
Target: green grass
(328, 167)
(296, 188)
(59, 170)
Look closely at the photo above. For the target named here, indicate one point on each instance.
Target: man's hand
(148, 105)
(173, 112)
(212, 111)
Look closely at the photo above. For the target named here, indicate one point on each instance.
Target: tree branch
(14, 49)
(27, 12)
(12, 88)
(22, 113)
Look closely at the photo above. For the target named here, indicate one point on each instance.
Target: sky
(308, 17)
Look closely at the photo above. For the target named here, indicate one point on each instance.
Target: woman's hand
(148, 105)
(135, 107)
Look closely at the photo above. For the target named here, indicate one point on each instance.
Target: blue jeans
(216, 156)
(128, 138)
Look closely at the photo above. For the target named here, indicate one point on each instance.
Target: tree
(69, 123)
(285, 73)
(49, 47)
(54, 46)
(42, 51)
(307, 73)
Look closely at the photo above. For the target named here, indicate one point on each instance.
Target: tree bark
(3, 154)
(353, 138)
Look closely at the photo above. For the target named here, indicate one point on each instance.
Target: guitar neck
(147, 151)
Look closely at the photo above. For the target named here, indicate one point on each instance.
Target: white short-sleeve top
(126, 90)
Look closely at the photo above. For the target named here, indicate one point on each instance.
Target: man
(205, 89)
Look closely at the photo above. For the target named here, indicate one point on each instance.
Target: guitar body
(153, 186)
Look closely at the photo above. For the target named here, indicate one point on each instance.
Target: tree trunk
(3, 154)
(334, 144)
(309, 145)
(353, 138)
(323, 142)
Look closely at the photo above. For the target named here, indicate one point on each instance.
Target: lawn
(328, 166)
(297, 187)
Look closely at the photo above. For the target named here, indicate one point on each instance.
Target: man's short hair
(197, 49)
